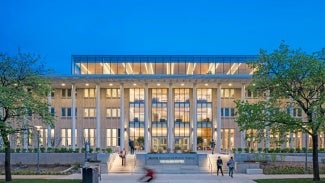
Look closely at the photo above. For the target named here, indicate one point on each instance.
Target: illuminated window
(89, 112)
(89, 93)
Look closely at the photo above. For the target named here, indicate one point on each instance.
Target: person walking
(213, 144)
(219, 165)
(131, 144)
(149, 175)
(231, 165)
(123, 156)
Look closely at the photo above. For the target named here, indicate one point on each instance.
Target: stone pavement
(169, 178)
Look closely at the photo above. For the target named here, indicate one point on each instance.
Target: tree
(287, 79)
(23, 92)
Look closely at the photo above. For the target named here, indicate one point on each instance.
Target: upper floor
(162, 64)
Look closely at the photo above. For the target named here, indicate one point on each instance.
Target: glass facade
(161, 65)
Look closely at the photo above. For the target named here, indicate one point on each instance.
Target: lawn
(304, 180)
(43, 181)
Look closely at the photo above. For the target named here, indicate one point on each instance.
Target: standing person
(231, 165)
(219, 165)
(213, 144)
(123, 156)
(131, 144)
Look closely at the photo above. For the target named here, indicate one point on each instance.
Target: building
(162, 102)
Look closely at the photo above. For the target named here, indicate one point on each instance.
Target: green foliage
(284, 170)
(109, 150)
(246, 149)
(286, 79)
(239, 149)
(259, 150)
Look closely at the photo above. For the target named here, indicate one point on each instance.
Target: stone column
(170, 117)
(219, 119)
(146, 119)
(243, 133)
(194, 119)
(122, 116)
(98, 131)
(73, 113)
(291, 134)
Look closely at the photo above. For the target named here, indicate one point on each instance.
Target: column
(243, 133)
(219, 118)
(267, 129)
(194, 119)
(122, 116)
(49, 100)
(170, 118)
(291, 134)
(146, 119)
(98, 116)
(25, 133)
(73, 113)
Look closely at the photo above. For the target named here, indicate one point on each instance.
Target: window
(66, 135)
(227, 93)
(52, 94)
(112, 93)
(89, 93)
(66, 112)
(113, 112)
(111, 137)
(52, 111)
(66, 93)
(296, 112)
(251, 94)
(227, 112)
(89, 112)
(89, 136)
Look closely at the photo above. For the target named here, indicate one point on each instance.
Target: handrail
(111, 160)
(210, 164)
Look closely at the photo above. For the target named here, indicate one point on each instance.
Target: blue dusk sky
(60, 28)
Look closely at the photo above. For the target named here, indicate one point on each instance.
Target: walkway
(171, 178)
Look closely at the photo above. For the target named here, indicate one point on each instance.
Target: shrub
(18, 150)
(97, 149)
(246, 149)
(42, 149)
(291, 150)
(284, 170)
(259, 150)
(109, 150)
(298, 150)
(239, 149)
(49, 149)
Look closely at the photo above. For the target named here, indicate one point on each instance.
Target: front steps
(204, 163)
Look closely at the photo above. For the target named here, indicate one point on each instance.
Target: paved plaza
(170, 178)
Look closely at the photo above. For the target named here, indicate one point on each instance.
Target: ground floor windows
(89, 136)
(227, 139)
(159, 144)
(204, 137)
(66, 137)
(112, 137)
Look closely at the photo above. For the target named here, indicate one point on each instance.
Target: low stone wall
(287, 157)
(171, 158)
(52, 158)
(241, 167)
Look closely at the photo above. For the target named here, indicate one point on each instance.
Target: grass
(43, 181)
(303, 180)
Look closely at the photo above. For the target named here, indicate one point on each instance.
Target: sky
(58, 29)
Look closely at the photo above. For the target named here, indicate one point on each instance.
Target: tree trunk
(7, 159)
(315, 158)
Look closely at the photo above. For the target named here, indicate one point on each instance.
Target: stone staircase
(135, 165)
(116, 164)
(212, 162)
